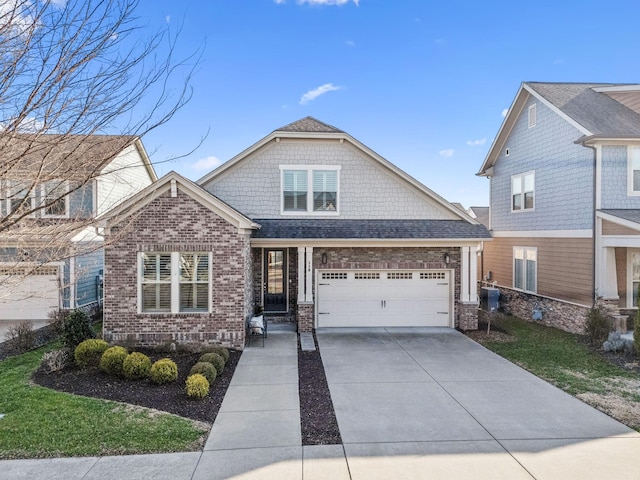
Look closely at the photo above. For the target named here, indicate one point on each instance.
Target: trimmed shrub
(597, 327)
(137, 365)
(21, 336)
(76, 328)
(615, 343)
(214, 359)
(112, 360)
(197, 386)
(55, 360)
(164, 371)
(88, 352)
(223, 352)
(205, 369)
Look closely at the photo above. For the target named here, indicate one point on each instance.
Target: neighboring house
(53, 187)
(307, 223)
(565, 201)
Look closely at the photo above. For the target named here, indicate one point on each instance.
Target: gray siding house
(53, 187)
(564, 201)
(307, 223)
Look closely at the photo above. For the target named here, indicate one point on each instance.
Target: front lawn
(39, 422)
(566, 361)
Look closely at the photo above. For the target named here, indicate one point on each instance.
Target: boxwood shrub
(88, 352)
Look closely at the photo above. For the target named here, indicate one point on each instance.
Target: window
(525, 261)
(175, 282)
(20, 198)
(55, 199)
(633, 277)
(532, 115)
(307, 190)
(633, 175)
(522, 192)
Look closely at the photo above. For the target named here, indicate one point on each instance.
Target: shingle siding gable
(614, 178)
(367, 190)
(563, 175)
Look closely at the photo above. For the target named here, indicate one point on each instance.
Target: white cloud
(476, 143)
(279, 2)
(351, 43)
(448, 153)
(59, 3)
(208, 163)
(321, 90)
(504, 112)
(167, 19)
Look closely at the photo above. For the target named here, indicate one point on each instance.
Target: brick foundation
(467, 316)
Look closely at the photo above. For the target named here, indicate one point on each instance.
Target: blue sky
(423, 83)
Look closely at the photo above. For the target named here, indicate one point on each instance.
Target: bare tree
(80, 82)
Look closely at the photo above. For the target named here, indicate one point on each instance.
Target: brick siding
(177, 225)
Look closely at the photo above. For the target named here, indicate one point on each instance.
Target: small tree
(597, 327)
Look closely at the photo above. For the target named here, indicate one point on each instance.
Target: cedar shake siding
(564, 268)
(178, 224)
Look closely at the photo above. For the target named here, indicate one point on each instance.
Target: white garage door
(384, 298)
(29, 297)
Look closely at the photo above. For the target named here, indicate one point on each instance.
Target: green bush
(163, 371)
(88, 352)
(197, 386)
(220, 350)
(75, 328)
(112, 360)
(137, 365)
(214, 359)
(597, 326)
(205, 369)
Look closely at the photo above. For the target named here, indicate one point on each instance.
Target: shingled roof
(368, 229)
(595, 111)
(309, 125)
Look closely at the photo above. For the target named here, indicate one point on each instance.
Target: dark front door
(275, 285)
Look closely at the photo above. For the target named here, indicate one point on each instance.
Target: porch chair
(257, 326)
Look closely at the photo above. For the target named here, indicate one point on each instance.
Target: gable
(369, 186)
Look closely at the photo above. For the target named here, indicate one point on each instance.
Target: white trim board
(587, 233)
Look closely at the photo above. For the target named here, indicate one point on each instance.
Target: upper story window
(633, 170)
(310, 189)
(20, 197)
(55, 199)
(525, 268)
(174, 282)
(522, 192)
(532, 115)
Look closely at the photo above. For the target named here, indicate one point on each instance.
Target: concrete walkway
(410, 404)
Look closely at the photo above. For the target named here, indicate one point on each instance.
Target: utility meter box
(489, 297)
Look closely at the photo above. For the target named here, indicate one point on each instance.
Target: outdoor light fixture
(446, 258)
(324, 258)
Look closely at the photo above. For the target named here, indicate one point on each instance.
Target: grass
(566, 361)
(39, 422)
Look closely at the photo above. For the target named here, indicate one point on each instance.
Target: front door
(275, 284)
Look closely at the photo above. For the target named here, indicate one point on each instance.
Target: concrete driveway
(431, 403)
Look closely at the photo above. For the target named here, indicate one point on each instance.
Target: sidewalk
(256, 434)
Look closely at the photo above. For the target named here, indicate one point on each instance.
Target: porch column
(305, 274)
(464, 274)
(473, 275)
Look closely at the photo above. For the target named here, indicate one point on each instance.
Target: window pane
(149, 266)
(531, 276)
(517, 202)
(295, 180)
(156, 297)
(324, 201)
(636, 180)
(186, 267)
(202, 272)
(517, 272)
(194, 297)
(296, 201)
(528, 200)
(528, 183)
(516, 185)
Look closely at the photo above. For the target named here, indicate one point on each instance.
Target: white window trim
(532, 115)
(630, 191)
(523, 176)
(310, 169)
(524, 271)
(66, 201)
(175, 284)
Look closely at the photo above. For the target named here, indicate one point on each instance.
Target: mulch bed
(317, 416)
(169, 398)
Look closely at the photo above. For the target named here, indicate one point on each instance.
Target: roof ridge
(308, 124)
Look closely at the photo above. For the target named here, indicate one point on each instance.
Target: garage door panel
(384, 298)
(28, 298)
